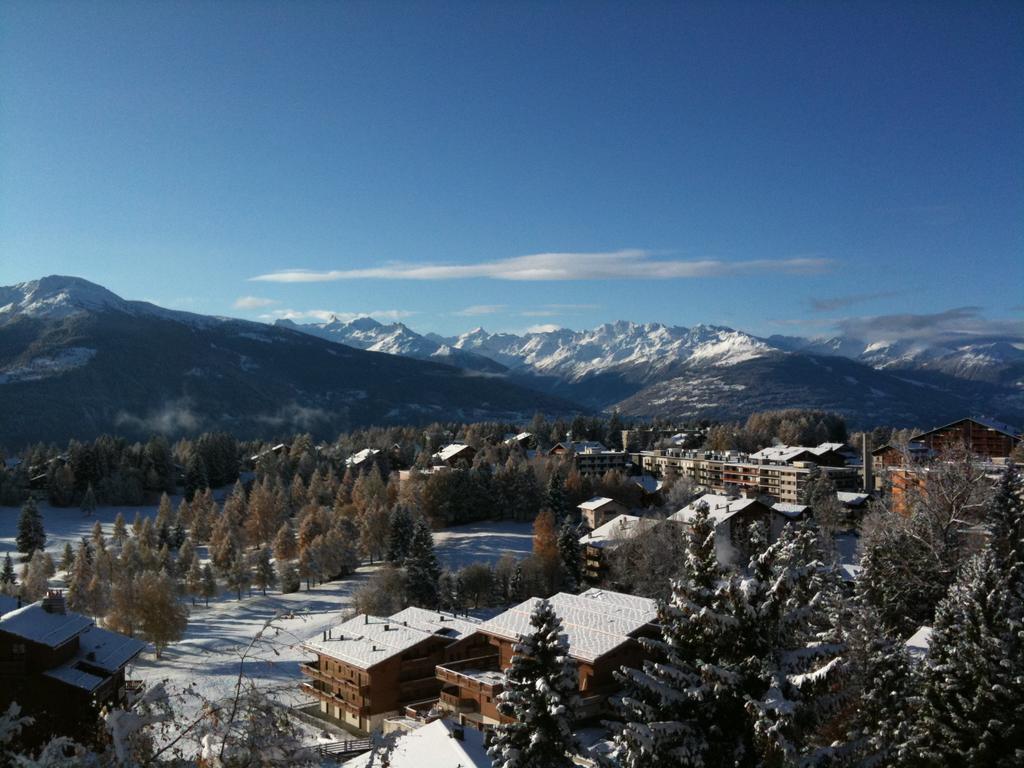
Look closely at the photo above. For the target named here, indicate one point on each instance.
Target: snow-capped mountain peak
(57, 296)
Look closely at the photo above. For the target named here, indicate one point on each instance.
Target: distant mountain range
(712, 371)
(77, 360)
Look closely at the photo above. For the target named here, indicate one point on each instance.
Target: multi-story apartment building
(370, 667)
(721, 472)
(601, 629)
(59, 667)
(591, 458)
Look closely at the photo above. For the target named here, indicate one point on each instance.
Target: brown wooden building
(60, 668)
(370, 667)
(601, 630)
(599, 510)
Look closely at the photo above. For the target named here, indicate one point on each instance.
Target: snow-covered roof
(918, 643)
(107, 650)
(365, 641)
(617, 530)
(790, 510)
(70, 674)
(359, 457)
(439, 744)
(596, 502)
(721, 508)
(451, 451)
(509, 439)
(851, 499)
(437, 622)
(39, 626)
(595, 622)
(649, 483)
(998, 426)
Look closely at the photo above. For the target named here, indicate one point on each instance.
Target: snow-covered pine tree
(972, 697)
(541, 696)
(880, 725)
(81, 571)
(31, 535)
(7, 577)
(791, 649)
(571, 557)
(263, 571)
(421, 567)
(671, 708)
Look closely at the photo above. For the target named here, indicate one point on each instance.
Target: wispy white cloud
(558, 310)
(480, 309)
(625, 264)
(326, 315)
(253, 302)
(544, 328)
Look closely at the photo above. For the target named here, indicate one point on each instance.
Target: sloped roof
(721, 508)
(617, 530)
(450, 451)
(107, 650)
(992, 424)
(365, 641)
(595, 622)
(69, 674)
(38, 626)
(919, 642)
(850, 498)
(434, 745)
(596, 502)
(360, 456)
(790, 510)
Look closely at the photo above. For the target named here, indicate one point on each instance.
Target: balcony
(338, 701)
(310, 669)
(481, 673)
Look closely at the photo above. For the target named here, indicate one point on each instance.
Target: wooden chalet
(370, 668)
(60, 668)
(602, 630)
(599, 510)
(732, 517)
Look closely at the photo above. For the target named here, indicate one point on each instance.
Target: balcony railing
(311, 670)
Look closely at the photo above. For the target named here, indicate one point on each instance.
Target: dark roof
(996, 426)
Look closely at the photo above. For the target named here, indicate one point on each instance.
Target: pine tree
(34, 580)
(209, 584)
(162, 618)
(7, 577)
(31, 535)
(194, 578)
(571, 558)
(120, 530)
(79, 597)
(99, 541)
(287, 576)
(973, 683)
(88, 504)
(238, 574)
(263, 571)
(195, 476)
(285, 547)
(672, 707)
(67, 558)
(555, 499)
(541, 695)
(225, 548)
(880, 726)
(422, 568)
(400, 535)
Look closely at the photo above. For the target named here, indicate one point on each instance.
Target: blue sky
(777, 167)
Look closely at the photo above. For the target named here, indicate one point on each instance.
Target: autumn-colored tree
(285, 546)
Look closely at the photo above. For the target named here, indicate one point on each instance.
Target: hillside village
(416, 645)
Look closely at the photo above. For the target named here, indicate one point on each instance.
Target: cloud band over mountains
(625, 264)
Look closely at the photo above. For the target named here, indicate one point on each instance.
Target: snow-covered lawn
(204, 665)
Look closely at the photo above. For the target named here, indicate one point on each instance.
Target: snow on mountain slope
(647, 349)
(394, 339)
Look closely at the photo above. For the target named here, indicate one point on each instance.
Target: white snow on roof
(649, 483)
(595, 503)
(595, 622)
(38, 626)
(852, 499)
(721, 508)
(358, 458)
(107, 650)
(365, 641)
(433, 745)
(790, 510)
(449, 451)
(784, 453)
(918, 643)
(617, 530)
(71, 675)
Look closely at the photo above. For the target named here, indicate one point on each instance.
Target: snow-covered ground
(204, 665)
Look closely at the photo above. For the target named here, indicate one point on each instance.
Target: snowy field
(204, 665)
